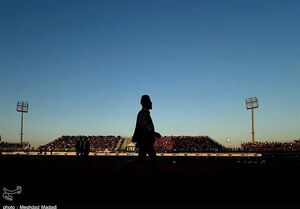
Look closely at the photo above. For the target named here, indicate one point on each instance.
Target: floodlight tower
(22, 107)
(251, 104)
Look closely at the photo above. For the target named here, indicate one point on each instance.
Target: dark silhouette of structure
(144, 134)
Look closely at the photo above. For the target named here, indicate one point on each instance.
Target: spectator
(86, 147)
(77, 147)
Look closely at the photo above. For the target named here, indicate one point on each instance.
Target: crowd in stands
(187, 144)
(165, 144)
(271, 146)
(14, 146)
(97, 143)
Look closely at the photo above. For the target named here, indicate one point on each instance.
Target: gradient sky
(83, 66)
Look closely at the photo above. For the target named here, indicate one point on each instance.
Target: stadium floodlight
(23, 108)
(251, 104)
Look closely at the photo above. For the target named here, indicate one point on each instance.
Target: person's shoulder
(141, 112)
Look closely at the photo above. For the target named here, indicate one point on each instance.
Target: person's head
(146, 102)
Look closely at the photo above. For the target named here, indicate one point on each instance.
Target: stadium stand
(124, 143)
(165, 144)
(187, 144)
(97, 143)
(271, 146)
(6, 146)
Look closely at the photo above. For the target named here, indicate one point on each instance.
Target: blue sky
(83, 66)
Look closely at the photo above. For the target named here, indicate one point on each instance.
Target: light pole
(251, 104)
(22, 107)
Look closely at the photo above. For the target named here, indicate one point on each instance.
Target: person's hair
(145, 99)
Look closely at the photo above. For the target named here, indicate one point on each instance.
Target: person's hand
(157, 135)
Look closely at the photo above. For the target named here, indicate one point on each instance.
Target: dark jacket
(144, 128)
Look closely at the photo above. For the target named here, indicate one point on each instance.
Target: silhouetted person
(81, 146)
(144, 133)
(77, 147)
(86, 147)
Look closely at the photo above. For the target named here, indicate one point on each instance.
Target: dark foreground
(60, 180)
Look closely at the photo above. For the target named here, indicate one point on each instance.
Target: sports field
(107, 179)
